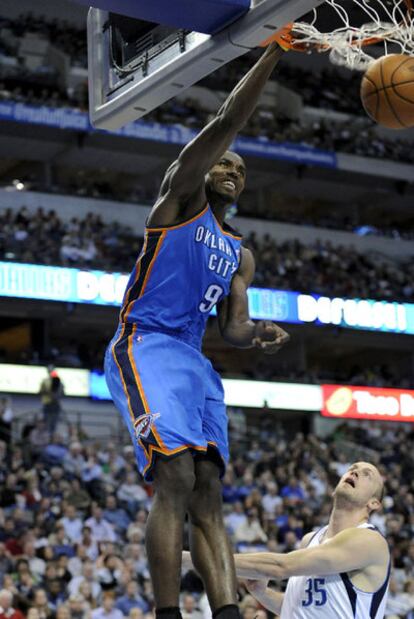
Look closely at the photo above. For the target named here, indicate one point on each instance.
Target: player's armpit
(351, 549)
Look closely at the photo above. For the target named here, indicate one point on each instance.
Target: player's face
(360, 483)
(227, 177)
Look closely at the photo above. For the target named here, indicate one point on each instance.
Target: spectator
(88, 575)
(72, 524)
(107, 610)
(78, 608)
(6, 606)
(131, 493)
(36, 565)
(89, 544)
(189, 608)
(101, 529)
(115, 515)
(251, 532)
(235, 517)
(293, 491)
(41, 604)
(51, 392)
(109, 571)
(74, 461)
(398, 603)
(63, 612)
(136, 530)
(6, 418)
(5, 561)
(38, 437)
(55, 593)
(135, 553)
(78, 496)
(271, 499)
(131, 599)
(91, 476)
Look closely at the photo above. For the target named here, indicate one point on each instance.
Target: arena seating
(73, 516)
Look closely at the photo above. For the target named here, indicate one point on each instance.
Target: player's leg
(174, 481)
(157, 385)
(210, 548)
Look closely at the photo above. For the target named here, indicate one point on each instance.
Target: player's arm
(270, 599)
(184, 179)
(235, 324)
(267, 597)
(351, 549)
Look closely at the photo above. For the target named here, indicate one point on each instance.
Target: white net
(388, 23)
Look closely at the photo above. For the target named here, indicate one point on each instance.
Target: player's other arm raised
(183, 189)
(235, 324)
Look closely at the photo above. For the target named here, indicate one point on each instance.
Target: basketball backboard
(168, 60)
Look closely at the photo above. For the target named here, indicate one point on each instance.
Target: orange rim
(285, 37)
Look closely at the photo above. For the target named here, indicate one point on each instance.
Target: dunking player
(341, 571)
(167, 391)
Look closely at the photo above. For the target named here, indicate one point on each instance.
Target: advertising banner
(26, 379)
(374, 403)
(66, 118)
(69, 285)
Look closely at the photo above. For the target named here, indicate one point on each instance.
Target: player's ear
(374, 505)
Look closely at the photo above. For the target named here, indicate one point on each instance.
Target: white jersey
(332, 597)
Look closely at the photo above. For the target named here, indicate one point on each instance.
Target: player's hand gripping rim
(269, 337)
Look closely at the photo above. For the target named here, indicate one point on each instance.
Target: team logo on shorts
(144, 424)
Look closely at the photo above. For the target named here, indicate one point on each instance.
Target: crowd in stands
(310, 212)
(318, 267)
(357, 137)
(368, 374)
(60, 33)
(72, 514)
(324, 268)
(42, 238)
(327, 216)
(328, 89)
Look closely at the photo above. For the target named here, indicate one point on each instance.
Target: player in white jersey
(339, 572)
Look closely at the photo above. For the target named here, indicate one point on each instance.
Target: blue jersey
(183, 271)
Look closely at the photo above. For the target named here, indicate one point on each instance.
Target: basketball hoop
(389, 22)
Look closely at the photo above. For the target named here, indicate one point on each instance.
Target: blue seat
(207, 16)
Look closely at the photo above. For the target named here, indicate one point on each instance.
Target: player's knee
(208, 482)
(206, 503)
(211, 489)
(175, 478)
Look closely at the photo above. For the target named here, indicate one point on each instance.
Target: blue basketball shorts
(170, 397)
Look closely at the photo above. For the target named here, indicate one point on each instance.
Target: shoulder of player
(369, 539)
(306, 539)
(171, 209)
(247, 265)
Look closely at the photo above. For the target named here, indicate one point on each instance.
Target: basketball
(387, 91)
